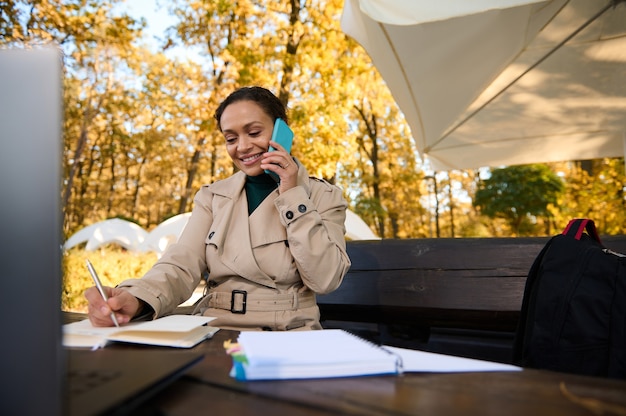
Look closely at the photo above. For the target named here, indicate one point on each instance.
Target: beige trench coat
(264, 269)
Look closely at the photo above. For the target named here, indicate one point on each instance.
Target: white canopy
(489, 82)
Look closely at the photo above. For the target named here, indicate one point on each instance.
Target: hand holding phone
(282, 135)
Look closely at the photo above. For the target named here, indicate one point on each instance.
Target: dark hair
(270, 104)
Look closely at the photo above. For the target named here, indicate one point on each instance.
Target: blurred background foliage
(113, 265)
(140, 138)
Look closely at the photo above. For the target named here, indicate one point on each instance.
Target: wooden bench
(458, 296)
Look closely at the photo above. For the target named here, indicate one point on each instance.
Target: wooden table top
(207, 387)
(529, 392)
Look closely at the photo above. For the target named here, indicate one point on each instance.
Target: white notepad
(180, 331)
(312, 354)
(337, 353)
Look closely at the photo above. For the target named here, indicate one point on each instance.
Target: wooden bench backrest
(464, 282)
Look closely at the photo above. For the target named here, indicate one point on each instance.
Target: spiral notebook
(336, 353)
(309, 354)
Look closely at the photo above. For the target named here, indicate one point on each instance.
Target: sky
(156, 17)
(158, 20)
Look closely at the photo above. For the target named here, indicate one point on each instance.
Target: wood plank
(445, 253)
(465, 282)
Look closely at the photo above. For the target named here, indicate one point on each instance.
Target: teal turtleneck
(257, 189)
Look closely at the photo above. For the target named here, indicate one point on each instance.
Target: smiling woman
(268, 247)
(247, 120)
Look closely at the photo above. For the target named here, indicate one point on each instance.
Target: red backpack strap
(577, 226)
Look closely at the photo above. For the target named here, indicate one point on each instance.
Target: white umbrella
(494, 82)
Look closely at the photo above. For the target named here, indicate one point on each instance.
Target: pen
(96, 280)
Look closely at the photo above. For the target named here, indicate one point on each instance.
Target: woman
(268, 247)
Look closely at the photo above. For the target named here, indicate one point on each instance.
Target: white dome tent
(134, 238)
(113, 231)
(357, 229)
(165, 234)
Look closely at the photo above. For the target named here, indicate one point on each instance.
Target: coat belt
(239, 301)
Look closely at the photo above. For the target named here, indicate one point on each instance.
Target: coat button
(211, 234)
(302, 208)
(289, 215)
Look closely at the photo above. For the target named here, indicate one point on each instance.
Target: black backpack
(573, 316)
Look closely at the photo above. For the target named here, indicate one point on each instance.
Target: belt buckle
(244, 300)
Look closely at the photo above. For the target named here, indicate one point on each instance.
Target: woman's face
(247, 130)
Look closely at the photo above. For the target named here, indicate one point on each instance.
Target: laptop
(120, 381)
(39, 376)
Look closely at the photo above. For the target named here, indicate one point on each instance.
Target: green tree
(517, 194)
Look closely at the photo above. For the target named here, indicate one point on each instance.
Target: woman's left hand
(281, 163)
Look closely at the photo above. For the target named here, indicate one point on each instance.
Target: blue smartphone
(282, 135)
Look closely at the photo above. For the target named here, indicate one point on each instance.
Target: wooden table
(207, 388)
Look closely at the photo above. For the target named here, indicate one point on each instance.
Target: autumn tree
(69, 23)
(466, 217)
(140, 138)
(594, 189)
(284, 47)
(88, 33)
(386, 170)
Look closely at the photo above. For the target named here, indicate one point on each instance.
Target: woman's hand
(281, 163)
(123, 304)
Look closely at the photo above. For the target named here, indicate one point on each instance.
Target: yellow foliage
(112, 264)
(140, 138)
